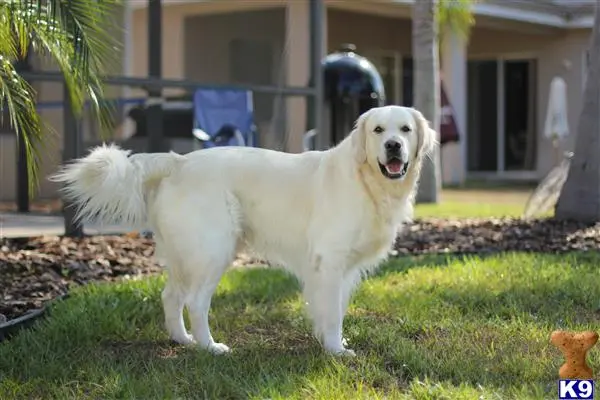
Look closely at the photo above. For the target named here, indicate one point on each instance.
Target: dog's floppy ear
(427, 136)
(359, 138)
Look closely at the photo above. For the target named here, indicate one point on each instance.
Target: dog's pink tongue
(394, 166)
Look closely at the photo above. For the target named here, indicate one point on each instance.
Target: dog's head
(392, 139)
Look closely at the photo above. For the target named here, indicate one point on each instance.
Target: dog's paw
(218, 348)
(340, 351)
(344, 342)
(345, 353)
(185, 340)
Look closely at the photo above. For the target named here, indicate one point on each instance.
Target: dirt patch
(37, 270)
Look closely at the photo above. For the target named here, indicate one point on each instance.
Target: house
(498, 82)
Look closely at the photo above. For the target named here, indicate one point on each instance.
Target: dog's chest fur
(372, 246)
(377, 233)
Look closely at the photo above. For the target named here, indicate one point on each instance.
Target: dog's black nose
(393, 146)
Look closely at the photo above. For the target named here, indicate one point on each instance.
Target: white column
(297, 47)
(297, 36)
(454, 74)
(127, 40)
(173, 41)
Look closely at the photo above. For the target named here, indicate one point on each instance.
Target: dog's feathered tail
(110, 186)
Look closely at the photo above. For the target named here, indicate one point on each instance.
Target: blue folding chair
(224, 118)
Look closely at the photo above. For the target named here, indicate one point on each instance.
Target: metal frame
(22, 170)
(316, 23)
(585, 59)
(154, 84)
(500, 115)
(154, 115)
(72, 148)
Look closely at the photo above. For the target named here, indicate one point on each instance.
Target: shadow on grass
(107, 341)
(402, 263)
(256, 285)
(556, 289)
(569, 302)
(491, 315)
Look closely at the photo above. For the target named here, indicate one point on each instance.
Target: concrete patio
(14, 225)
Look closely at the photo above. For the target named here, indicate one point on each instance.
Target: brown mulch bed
(37, 270)
(484, 236)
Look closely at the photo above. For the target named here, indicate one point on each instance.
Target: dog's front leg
(324, 293)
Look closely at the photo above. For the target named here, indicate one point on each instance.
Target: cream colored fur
(326, 216)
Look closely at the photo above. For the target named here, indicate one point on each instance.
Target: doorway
(482, 118)
(519, 105)
(502, 130)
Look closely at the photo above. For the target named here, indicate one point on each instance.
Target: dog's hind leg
(202, 235)
(172, 296)
(173, 303)
(201, 290)
(205, 266)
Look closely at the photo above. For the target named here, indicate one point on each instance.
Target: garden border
(12, 327)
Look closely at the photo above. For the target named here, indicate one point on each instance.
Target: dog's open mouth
(394, 168)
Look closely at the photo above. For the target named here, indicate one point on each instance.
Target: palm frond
(90, 32)
(456, 15)
(78, 35)
(9, 46)
(18, 102)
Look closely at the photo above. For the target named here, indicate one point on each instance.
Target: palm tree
(78, 36)
(430, 20)
(580, 195)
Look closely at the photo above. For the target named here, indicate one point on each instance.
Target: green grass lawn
(423, 328)
(476, 203)
(454, 209)
(432, 328)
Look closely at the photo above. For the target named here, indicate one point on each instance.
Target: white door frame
(501, 128)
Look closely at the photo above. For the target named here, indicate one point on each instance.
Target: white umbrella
(557, 120)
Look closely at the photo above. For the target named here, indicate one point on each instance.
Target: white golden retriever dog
(326, 216)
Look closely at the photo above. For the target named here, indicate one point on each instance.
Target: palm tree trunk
(580, 196)
(427, 89)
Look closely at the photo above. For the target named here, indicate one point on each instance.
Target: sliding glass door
(501, 115)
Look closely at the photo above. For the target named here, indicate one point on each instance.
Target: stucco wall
(571, 48)
(196, 37)
(551, 50)
(375, 33)
(242, 48)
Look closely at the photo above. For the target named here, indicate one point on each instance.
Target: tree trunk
(427, 89)
(580, 196)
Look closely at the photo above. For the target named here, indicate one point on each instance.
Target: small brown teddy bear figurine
(574, 346)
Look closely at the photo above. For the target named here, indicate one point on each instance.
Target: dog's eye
(405, 128)
(378, 129)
